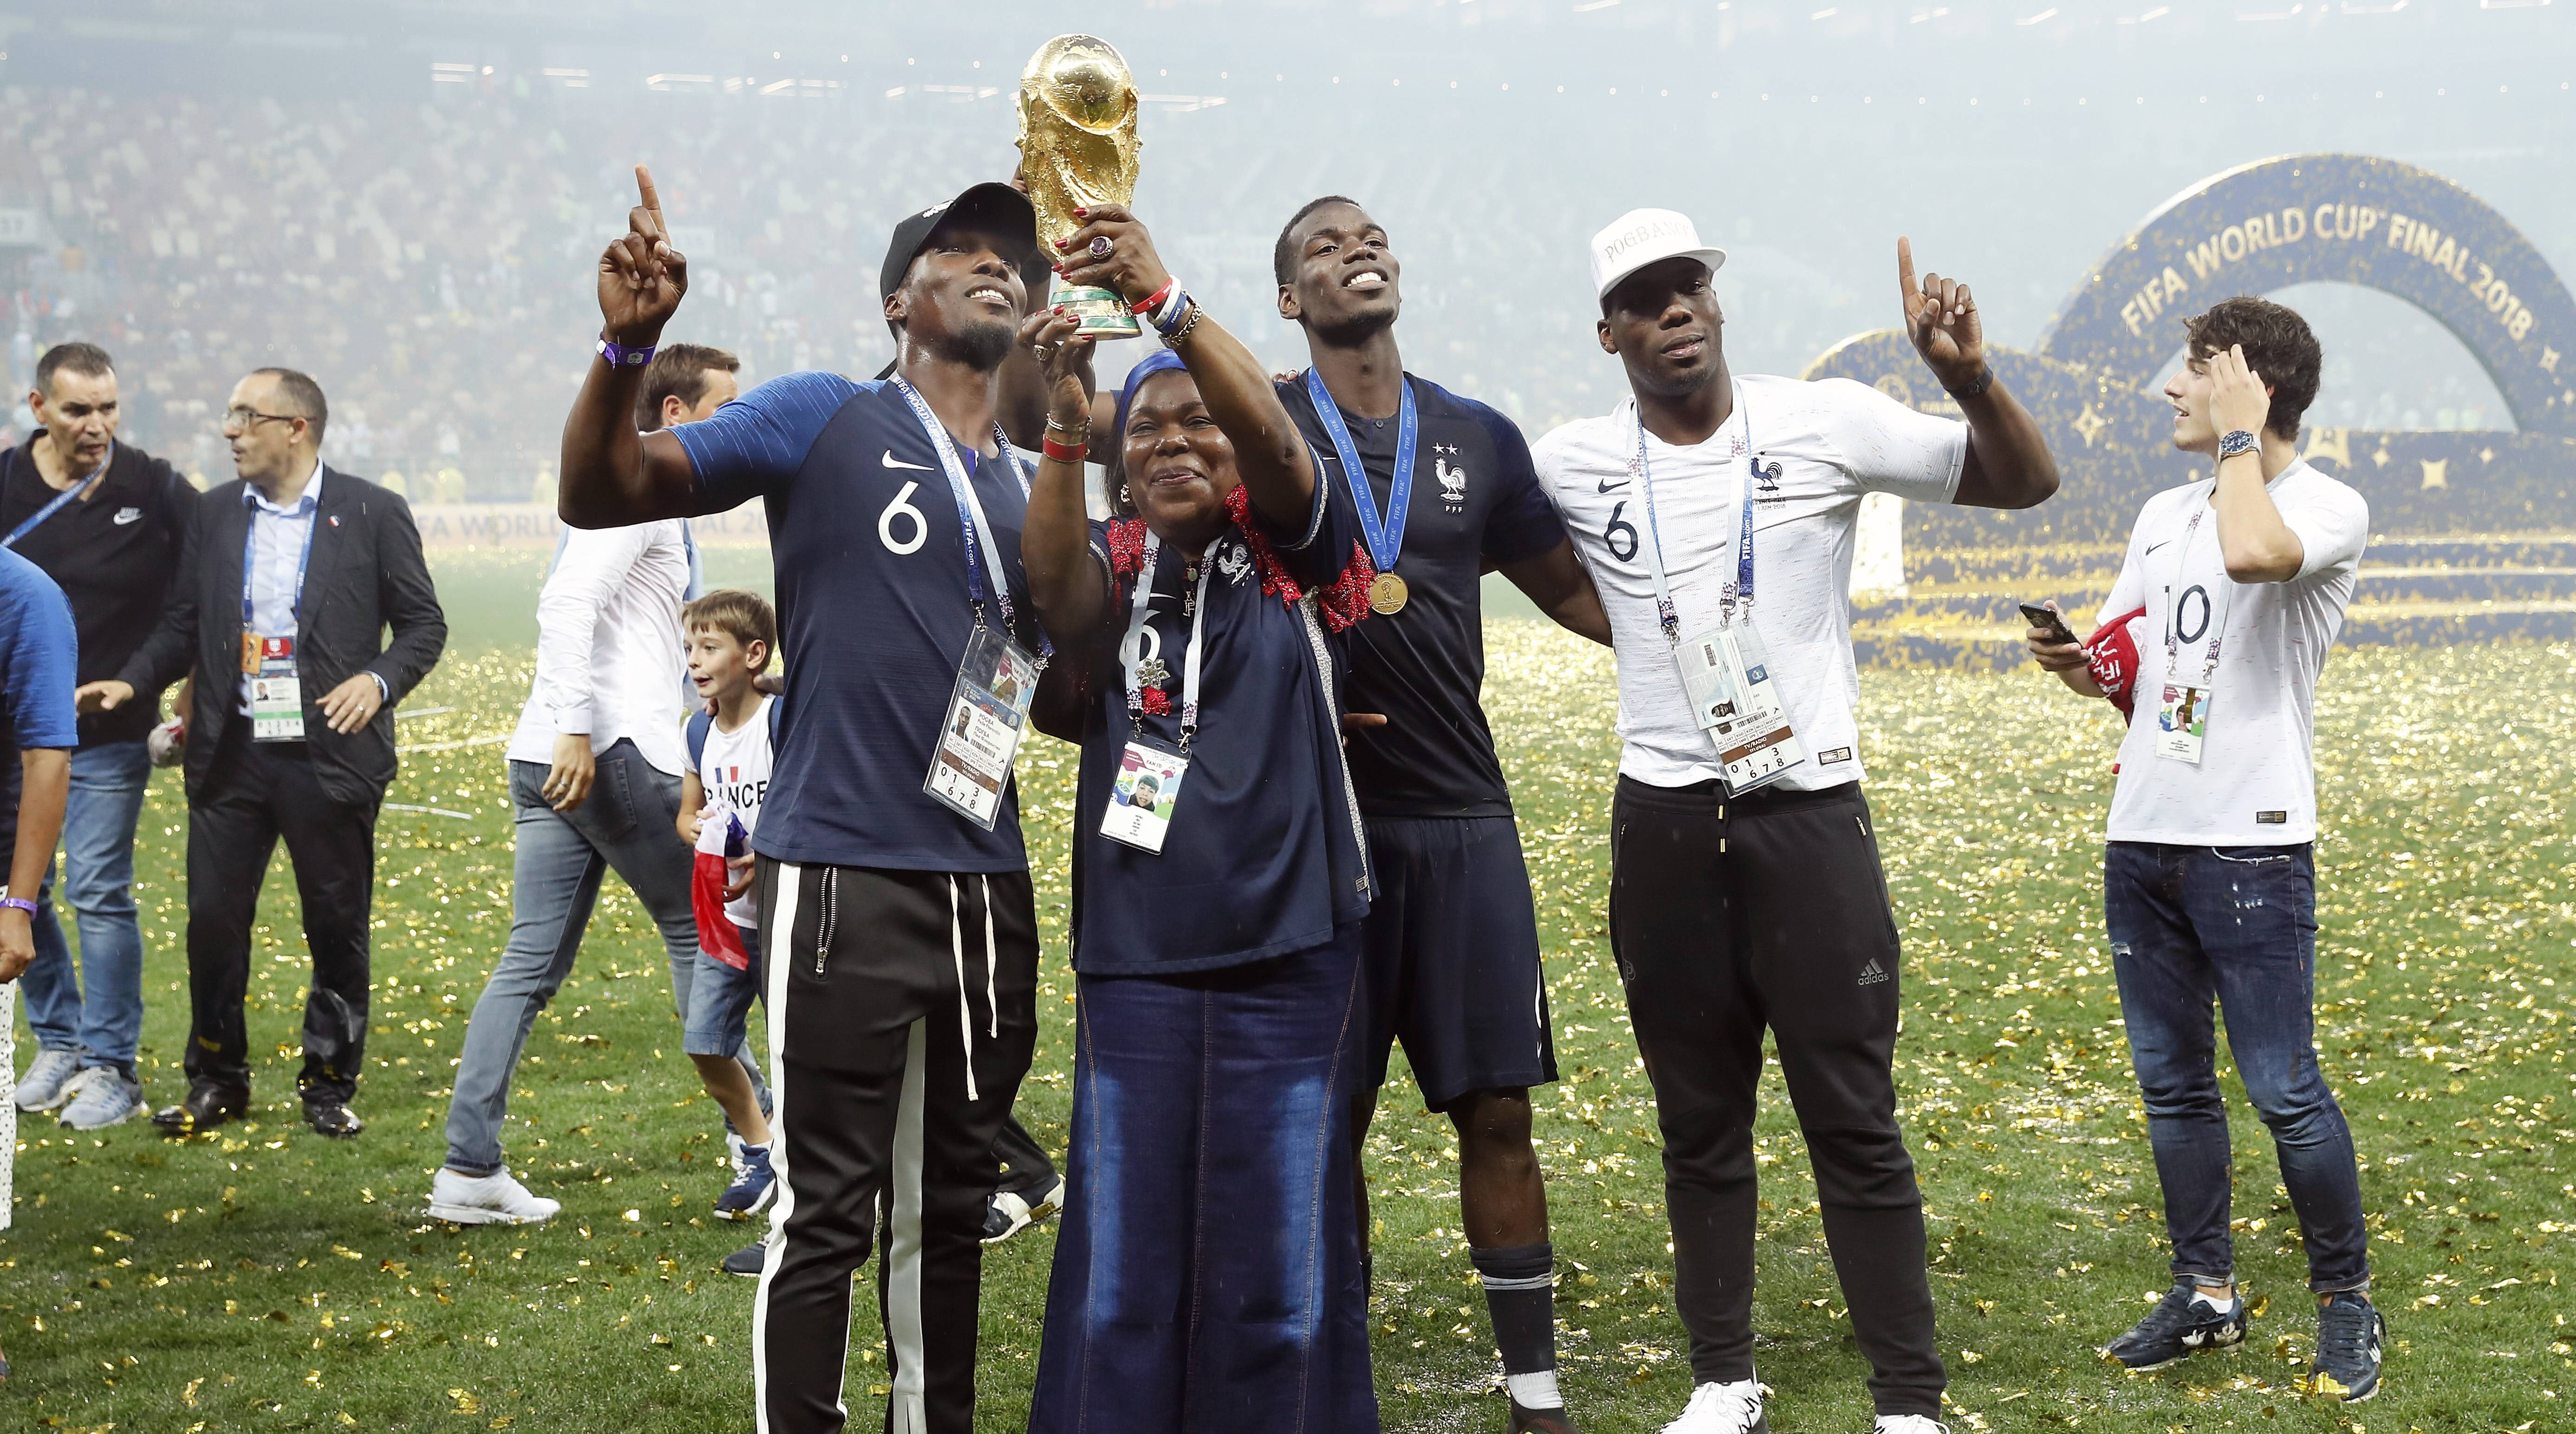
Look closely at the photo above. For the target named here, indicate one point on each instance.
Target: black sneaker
(1007, 1212)
(749, 1260)
(2180, 1324)
(2350, 1336)
(1539, 1421)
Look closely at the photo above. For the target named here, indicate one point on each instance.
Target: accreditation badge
(276, 690)
(1705, 681)
(1141, 803)
(987, 715)
(1749, 725)
(2182, 721)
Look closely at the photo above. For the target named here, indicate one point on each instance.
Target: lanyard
(970, 509)
(1740, 589)
(2173, 614)
(1132, 651)
(303, 560)
(1385, 535)
(61, 500)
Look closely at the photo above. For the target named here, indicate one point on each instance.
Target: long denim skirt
(1208, 1274)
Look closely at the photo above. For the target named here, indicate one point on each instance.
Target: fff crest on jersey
(1453, 477)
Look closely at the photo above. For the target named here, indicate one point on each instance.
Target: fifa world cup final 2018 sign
(2346, 217)
(2266, 226)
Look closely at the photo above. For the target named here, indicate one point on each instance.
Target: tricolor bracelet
(620, 356)
(1154, 301)
(1167, 315)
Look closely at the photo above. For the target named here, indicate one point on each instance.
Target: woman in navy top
(1208, 1275)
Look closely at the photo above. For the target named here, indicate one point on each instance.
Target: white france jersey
(2255, 784)
(733, 770)
(1833, 442)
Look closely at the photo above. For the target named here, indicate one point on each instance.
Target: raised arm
(1269, 453)
(611, 474)
(2009, 465)
(2256, 544)
(1065, 580)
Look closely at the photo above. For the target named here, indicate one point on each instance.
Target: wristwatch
(620, 356)
(2237, 442)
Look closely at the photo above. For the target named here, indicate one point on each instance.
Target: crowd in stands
(429, 258)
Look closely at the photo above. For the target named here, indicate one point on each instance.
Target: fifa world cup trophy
(1078, 148)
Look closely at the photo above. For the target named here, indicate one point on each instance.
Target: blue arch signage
(2473, 533)
(2347, 217)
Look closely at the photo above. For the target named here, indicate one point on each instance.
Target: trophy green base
(1102, 314)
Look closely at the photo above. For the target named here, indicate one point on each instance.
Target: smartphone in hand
(2049, 620)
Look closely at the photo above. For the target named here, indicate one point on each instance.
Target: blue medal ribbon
(1385, 535)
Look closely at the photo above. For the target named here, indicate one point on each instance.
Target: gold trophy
(1078, 148)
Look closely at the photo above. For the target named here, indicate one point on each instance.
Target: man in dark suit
(287, 582)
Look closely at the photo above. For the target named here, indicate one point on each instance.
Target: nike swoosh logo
(2151, 547)
(1606, 485)
(893, 462)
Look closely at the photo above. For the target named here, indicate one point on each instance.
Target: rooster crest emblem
(1453, 481)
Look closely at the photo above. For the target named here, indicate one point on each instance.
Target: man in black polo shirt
(104, 520)
(1452, 963)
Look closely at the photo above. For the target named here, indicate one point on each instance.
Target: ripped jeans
(2235, 926)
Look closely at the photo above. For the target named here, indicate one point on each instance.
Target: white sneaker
(1908, 1424)
(1723, 1409)
(101, 1096)
(493, 1199)
(47, 1083)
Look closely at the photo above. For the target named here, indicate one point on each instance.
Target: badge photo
(1141, 802)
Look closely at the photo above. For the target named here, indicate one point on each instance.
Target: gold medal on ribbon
(1387, 593)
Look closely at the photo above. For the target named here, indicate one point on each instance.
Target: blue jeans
(626, 826)
(97, 1009)
(2236, 925)
(720, 1001)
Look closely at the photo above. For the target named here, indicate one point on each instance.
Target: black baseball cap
(999, 207)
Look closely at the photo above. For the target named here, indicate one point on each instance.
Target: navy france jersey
(1265, 854)
(873, 615)
(1475, 499)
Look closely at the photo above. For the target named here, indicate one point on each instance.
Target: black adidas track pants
(901, 1016)
(1727, 916)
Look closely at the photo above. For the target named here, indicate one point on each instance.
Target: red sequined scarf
(1343, 601)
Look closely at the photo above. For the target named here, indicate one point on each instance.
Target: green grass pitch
(261, 1278)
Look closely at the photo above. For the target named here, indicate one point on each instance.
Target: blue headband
(1159, 361)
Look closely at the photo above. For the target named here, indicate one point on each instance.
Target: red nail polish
(1082, 214)
(1064, 243)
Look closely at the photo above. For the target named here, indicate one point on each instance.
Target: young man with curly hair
(2241, 579)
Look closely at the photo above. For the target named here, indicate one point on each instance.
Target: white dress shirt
(609, 654)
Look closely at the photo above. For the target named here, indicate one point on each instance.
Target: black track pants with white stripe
(901, 1016)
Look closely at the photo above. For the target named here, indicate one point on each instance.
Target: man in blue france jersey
(1451, 964)
(903, 958)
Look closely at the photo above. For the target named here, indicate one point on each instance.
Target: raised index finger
(1905, 284)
